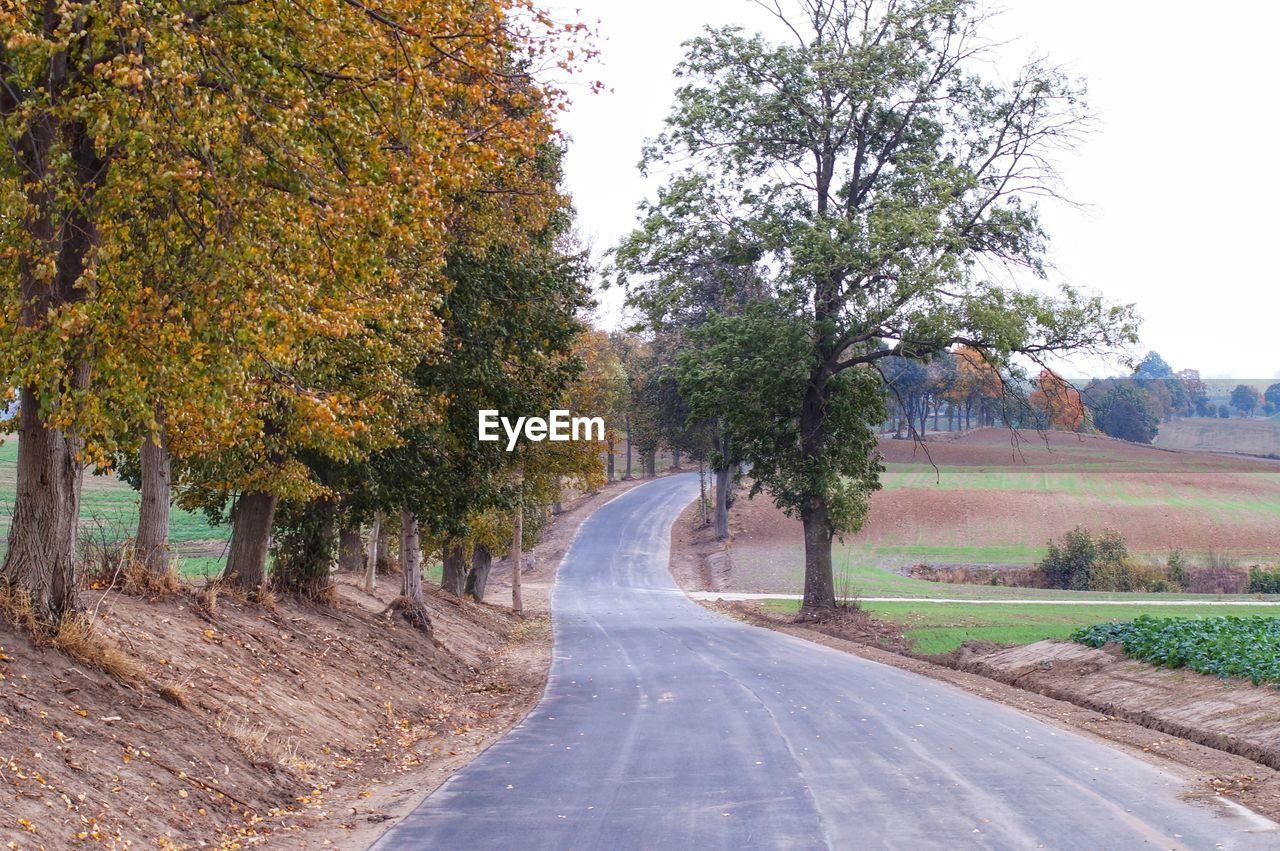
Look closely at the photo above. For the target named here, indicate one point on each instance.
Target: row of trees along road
(837, 199)
(271, 258)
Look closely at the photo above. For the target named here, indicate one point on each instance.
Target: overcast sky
(1179, 177)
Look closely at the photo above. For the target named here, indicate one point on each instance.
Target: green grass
(941, 627)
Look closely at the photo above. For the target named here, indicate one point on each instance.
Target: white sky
(1179, 177)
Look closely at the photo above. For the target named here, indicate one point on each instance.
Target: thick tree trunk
(724, 481)
(453, 576)
(371, 554)
(609, 464)
(42, 536)
(675, 459)
(478, 578)
(517, 557)
(57, 224)
(250, 539)
(350, 549)
(152, 545)
(651, 465)
(819, 582)
(410, 557)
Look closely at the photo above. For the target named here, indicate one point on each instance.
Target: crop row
(1247, 647)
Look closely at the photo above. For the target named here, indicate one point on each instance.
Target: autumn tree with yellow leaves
(225, 229)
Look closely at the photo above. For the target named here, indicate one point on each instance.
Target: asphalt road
(665, 726)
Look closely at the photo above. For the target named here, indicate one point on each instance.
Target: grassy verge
(942, 627)
(866, 581)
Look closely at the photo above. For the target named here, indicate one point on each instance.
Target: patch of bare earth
(294, 726)
(1223, 736)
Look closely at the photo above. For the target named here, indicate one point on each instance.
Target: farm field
(942, 627)
(979, 500)
(1259, 436)
(109, 507)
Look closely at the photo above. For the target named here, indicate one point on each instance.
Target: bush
(1081, 562)
(1262, 581)
(1067, 564)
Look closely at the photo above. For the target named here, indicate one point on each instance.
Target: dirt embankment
(296, 726)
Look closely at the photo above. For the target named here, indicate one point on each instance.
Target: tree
(1272, 395)
(213, 211)
(1153, 368)
(1245, 399)
(873, 168)
(1058, 402)
(1127, 413)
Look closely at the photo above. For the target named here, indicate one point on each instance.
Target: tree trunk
(702, 490)
(609, 464)
(517, 556)
(411, 605)
(152, 545)
(724, 481)
(819, 583)
(46, 509)
(453, 577)
(384, 548)
(371, 554)
(250, 538)
(627, 475)
(40, 559)
(410, 557)
(675, 459)
(478, 578)
(651, 465)
(350, 549)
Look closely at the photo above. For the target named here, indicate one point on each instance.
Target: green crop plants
(1226, 646)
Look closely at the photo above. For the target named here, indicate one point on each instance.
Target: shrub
(1081, 562)
(1067, 563)
(1263, 581)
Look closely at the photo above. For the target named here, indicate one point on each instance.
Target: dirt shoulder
(1132, 709)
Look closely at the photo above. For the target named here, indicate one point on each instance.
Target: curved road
(666, 726)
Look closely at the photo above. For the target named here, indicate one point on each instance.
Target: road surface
(666, 726)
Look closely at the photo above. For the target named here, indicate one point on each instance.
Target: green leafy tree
(1272, 395)
(1126, 412)
(876, 174)
(1245, 399)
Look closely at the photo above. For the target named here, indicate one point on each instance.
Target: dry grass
(79, 639)
(174, 694)
(265, 597)
(16, 609)
(137, 579)
(257, 744)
